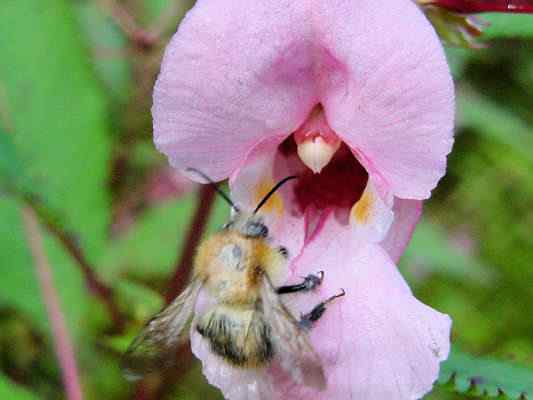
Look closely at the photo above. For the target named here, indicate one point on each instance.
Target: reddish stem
(140, 391)
(183, 267)
(169, 379)
(158, 390)
(141, 38)
(182, 271)
(62, 342)
(477, 6)
(94, 284)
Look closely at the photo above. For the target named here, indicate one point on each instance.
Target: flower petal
(406, 216)
(394, 103)
(260, 171)
(377, 342)
(235, 383)
(236, 72)
(371, 216)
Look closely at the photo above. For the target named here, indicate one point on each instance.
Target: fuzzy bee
(248, 325)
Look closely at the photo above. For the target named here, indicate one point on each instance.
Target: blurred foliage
(75, 134)
(60, 115)
(10, 391)
(485, 205)
(508, 26)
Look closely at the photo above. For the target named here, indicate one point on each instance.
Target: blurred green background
(75, 93)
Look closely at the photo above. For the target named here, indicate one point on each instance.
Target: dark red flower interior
(339, 185)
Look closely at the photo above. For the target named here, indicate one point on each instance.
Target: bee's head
(248, 224)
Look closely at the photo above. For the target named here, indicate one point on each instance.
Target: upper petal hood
(396, 105)
(237, 72)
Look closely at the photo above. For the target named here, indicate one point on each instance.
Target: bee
(248, 325)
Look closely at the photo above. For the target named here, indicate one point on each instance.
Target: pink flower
(356, 98)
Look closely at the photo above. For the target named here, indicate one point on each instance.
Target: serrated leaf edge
(475, 388)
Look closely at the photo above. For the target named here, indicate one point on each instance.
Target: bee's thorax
(231, 265)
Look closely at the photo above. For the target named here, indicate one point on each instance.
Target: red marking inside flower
(339, 185)
(316, 125)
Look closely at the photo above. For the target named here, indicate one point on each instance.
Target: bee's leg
(307, 320)
(310, 282)
(283, 251)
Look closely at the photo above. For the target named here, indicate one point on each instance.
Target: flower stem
(140, 392)
(69, 242)
(180, 278)
(183, 267)
(170, 17)
(172, 377)
(144, 39)
(141, 38)
(62, 342)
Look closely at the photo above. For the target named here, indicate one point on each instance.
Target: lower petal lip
(379, 322)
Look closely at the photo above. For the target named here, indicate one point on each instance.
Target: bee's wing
(291, 343)
(156, 346)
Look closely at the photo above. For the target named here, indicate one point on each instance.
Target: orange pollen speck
(274, 204)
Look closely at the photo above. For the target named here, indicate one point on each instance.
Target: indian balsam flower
(356, 98)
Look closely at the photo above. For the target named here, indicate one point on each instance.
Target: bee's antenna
(215, 186)
(272, 191)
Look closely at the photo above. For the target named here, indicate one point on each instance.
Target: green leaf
(14, 179)
(156, 9)
(151, 246)
(59, 123)
(10, 164)
(508, 26)
(140, 300)
(457, 60)
(11, 391)
(19, 287)
(494, 120)
(103, 377)
(485, 377)
(109, 48)
(58, 111)
(432, 248)
(195, 387)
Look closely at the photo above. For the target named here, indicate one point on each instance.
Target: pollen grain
(362, 209)
(274, 204)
